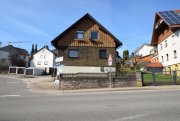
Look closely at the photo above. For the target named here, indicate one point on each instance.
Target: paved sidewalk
(44, 84)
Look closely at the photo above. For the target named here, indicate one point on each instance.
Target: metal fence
(161, 78)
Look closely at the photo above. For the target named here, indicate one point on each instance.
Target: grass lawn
(167, 78)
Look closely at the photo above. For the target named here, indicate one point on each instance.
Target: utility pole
(110, 64)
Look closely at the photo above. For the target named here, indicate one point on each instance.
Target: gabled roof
(43, 48)
(13, 49)
(154, 65)
(54, 42)
(170, 18)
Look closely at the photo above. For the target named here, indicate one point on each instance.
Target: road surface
(18, 104)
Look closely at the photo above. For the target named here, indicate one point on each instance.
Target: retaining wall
(99, 82)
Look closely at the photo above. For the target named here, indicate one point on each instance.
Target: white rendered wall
(145, 50)
(43, 58)
(173, 43)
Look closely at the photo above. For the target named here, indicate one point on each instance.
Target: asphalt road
(18, 104)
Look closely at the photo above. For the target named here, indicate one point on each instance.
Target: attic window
(94, 35)
(79, 34)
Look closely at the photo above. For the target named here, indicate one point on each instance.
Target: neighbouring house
(85, 46)
(144, 50)
(4, 61)
(154, 65)
(14, 56)
(43, 58)
(142, 60)
(142, 56)
(165, 39)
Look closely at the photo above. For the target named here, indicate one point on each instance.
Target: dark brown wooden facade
(88, 49)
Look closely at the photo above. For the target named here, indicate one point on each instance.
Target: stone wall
(103, 82)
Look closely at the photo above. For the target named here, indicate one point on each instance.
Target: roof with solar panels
(165, 20)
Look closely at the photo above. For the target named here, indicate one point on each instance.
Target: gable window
(162, 58)
(94, 35)
(41, 57)
(175, 54)
(167, 57)
(102, 54)
(79, 34)
(73, 53)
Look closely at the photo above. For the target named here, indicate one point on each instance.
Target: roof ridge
(54, 41)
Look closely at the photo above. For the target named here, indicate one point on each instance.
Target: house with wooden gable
(166, 39)
(85, 46)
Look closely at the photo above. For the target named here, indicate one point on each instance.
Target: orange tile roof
(155, 65)
(143, 59)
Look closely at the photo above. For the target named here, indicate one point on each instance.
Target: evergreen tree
(47, 47)
(0, 43)
(125, 54)
(132, 54)
(32, 50)
(35, 48)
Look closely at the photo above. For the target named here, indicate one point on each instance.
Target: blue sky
(40, 21)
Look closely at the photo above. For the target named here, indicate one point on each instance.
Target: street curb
(99, 90)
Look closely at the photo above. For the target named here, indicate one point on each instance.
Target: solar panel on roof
(171, 17)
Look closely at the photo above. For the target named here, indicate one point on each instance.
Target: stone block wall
(71, 83)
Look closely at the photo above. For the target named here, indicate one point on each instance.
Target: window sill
(74, 57)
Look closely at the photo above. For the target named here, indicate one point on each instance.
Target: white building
(169, 51)
(43, 58)
(144, 50)
(166, 38)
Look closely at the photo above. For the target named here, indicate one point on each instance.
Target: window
(44, 56)
(172, 36)
(175, 54)
(41, 57)
(39, 63)
(79, 34)
(161, 47)
(46, 63)
(165, 43)
(102, 54)
(73, 53)
(167, 57)
(162, 58)
(94, 35)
